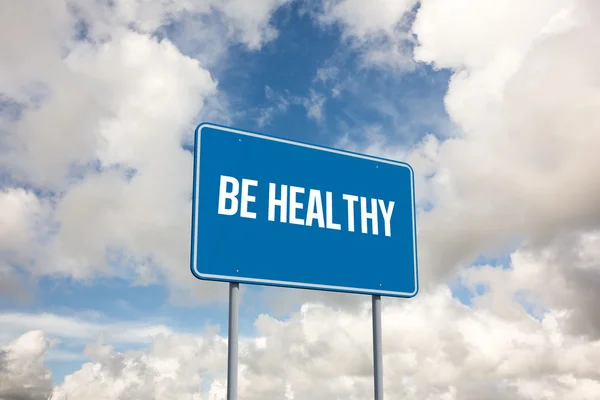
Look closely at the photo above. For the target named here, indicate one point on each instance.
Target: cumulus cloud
(380, 32)
(94, 108)
(521, 165)
(20, 211)
(437, 348)
(313, 104)
(174, 367)
(520, 173)
(524, 165)
(23, 375)
(78, 330)
(12, 284)
(563, 276)
(108, 181)
(22, 222)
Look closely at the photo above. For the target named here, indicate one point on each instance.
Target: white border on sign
(298, 285)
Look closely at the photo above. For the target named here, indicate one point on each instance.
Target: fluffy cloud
(93, 119)
(523, 167)
(78, 330)
(473, 34)
(174, 367)
(520, 171)
(21, 214)
(133, 98)
(436, 348)
(22, 372)
(111, 185)
(313, 104)
(247, 24)
(523, 94)
(562, 276)
(22, 221)
(380, 31)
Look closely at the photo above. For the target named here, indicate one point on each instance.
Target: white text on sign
(285, 204)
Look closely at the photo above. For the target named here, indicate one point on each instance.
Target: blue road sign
(271, 211)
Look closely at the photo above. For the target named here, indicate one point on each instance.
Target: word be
(285, 201)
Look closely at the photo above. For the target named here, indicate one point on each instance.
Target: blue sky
(97, 109)
(305, 65)
(287, 69)
(308, 84)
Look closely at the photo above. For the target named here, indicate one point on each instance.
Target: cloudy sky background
(494, 104)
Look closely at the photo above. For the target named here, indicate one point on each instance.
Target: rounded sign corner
(414, 293)
(410, 168)
(196, 273)
(202, 125)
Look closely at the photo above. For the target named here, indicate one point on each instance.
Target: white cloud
(523, 167)
(34, 57)
(473, 34)
(435, 348)
(245, 23)
(522, 95)
(524, 164)
(99, 132)
(23, 220)
(562, 276)
(325, 74)
(12, 284)
(78, 330)
(280, 105)
(20, 212)
(174, 367)
(379, 31)
(382, 16)
(433, 345)
(22, 372)
(149, 95)
(313, 103)
(252, 19)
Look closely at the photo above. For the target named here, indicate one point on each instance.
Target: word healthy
(286, 201)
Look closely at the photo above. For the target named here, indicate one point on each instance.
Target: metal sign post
(377, 353)
(232, 341)
(263, 206)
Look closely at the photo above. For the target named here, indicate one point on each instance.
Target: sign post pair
(271, 211)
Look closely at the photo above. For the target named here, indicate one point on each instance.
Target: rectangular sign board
(271, 211)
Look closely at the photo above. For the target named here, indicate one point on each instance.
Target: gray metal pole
(377, 354)
(232, 342)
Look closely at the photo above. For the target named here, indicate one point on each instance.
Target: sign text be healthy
(302, 206)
